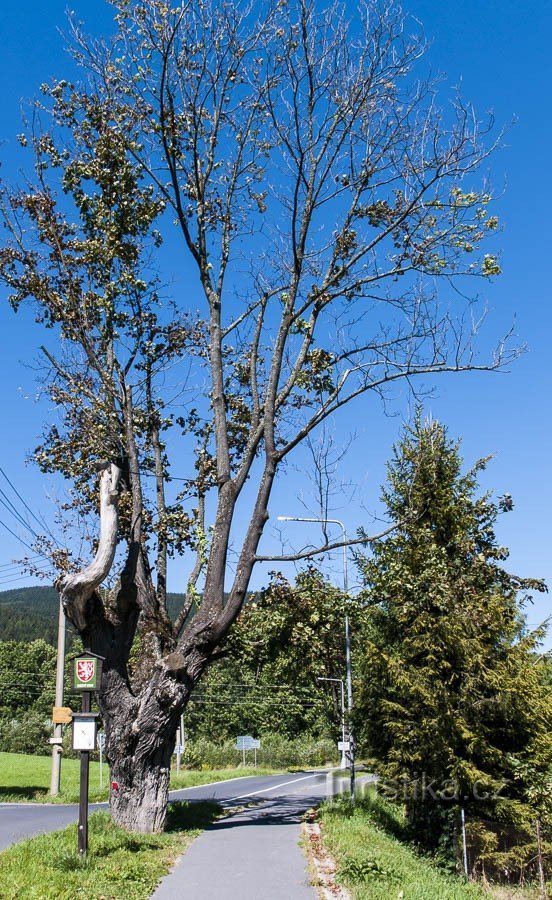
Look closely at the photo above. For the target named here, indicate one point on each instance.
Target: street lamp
(348, 668)
(343, 727)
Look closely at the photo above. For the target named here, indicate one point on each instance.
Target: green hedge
(27, 734)
(275, 752)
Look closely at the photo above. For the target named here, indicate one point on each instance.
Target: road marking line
(194, 787)
(272, 788)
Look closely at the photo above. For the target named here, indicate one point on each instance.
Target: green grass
(191, 777)
(374, 861)
(24, 778)
(27, 778)
(119, 865)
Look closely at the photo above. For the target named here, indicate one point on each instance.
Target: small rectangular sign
(62, 715)
(84, 731)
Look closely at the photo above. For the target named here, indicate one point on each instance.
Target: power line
(17, 565)
(19, 574)
(17, 536)
(26, 505)
(42, 525)
(8, 505)
(24, 578)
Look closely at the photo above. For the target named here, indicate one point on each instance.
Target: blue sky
(498, 53)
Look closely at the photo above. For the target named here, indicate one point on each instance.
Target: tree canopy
(287, 638)
(292, 171)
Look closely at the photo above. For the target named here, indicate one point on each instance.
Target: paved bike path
(255, 853)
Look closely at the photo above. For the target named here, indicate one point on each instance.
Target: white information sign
(246, 742)
(84, 733)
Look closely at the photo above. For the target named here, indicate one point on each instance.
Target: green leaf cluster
(286, 638)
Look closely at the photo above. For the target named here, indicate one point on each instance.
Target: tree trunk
(140, 739)
(140, 790)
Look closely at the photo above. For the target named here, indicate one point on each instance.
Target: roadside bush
(276, 752)
(27, 734)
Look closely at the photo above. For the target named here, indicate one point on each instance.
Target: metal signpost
(246, 742)
(178, 749)
(86, 677)
(344, 744)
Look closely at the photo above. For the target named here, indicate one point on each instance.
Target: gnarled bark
(140, 741)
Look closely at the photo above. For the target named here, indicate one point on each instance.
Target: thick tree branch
(77, 588)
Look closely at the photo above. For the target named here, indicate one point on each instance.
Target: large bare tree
(318, 215)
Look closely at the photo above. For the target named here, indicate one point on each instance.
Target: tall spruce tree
(451, 703)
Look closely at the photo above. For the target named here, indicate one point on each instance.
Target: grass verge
(374, 861)
(27, 778)
(119, 865)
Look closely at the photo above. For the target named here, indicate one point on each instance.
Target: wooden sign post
(87, 675)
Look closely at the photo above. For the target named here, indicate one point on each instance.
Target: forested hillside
(29, 613)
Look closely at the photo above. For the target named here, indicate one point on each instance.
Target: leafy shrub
(358, 869)
(27, 734)
(275, 752)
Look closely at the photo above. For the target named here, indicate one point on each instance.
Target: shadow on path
(273, 811)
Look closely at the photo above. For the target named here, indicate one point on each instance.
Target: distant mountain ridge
(32, 612)
(29, 613)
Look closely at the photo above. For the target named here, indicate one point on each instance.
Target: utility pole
(343, 724)
(60, 670)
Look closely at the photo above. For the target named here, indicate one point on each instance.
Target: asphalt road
(23, 820)
(253, 853)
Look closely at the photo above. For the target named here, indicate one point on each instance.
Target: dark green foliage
(28, 733)
(29, 613)
(452, 704)
(266, 680)
(27, 675)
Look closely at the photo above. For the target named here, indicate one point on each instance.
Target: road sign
(344, 745)
(62, 715)
(100, 740)
(246, 742)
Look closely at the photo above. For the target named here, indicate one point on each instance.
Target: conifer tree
(452, 704)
